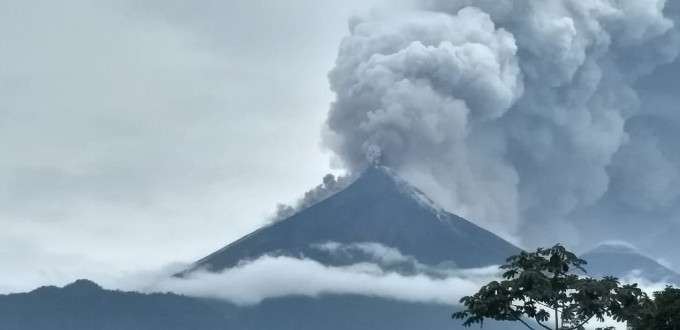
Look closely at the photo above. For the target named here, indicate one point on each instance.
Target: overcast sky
(134, 134)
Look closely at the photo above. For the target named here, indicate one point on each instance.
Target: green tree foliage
(663, 313)
(543, 284)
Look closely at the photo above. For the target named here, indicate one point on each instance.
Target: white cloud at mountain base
(280, 276)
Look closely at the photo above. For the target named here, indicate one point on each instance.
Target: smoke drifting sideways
(530, 118)
(329, 186)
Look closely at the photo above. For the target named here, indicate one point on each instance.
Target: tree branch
(535, 317)
(580, 325)
(540, 303)
(543, 325)
(519, 318)
(527, 325)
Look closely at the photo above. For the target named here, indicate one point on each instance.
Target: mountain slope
(379, 208)
(620, 260)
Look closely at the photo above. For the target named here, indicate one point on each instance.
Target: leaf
(543, 278)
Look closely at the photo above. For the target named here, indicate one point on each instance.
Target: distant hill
(620, 260)
(83, 305)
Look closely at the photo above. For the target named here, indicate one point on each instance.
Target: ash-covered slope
(620, 260)
(378, 208)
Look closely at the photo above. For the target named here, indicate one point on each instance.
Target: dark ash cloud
(534, 119)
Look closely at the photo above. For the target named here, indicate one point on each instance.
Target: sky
(137, 134)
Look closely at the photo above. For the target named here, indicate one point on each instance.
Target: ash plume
(329, 186)
(528, 117)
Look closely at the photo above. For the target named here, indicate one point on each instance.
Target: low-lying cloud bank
(276, 276)
(280, 276)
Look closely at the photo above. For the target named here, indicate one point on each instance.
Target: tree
(542, 284)
(662, 313)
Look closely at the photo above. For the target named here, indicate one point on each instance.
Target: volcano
(378, 207)
(378, 213)
(376, 217)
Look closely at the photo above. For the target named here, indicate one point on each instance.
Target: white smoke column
(500, 110)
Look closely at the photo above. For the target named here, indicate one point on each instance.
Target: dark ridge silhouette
(84, 305)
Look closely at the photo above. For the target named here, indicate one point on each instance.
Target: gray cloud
(526, 117)
(400, 100)
(136, 133)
